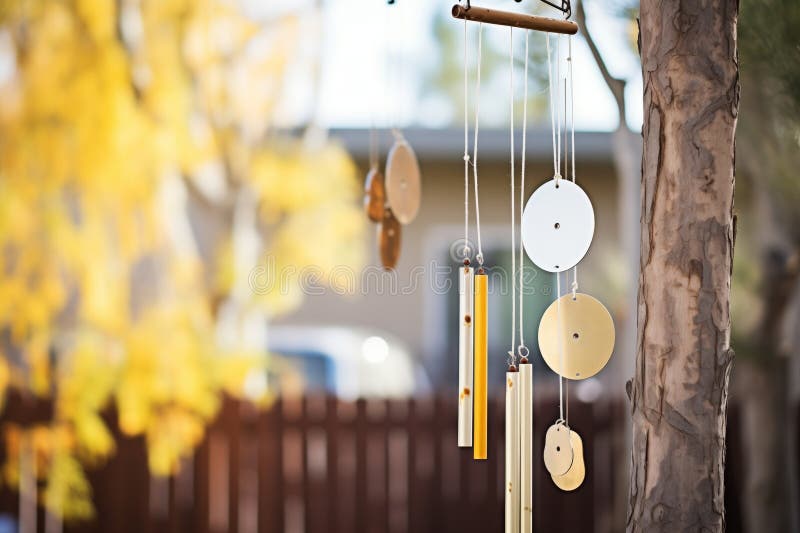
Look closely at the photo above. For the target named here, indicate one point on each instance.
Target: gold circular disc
(557, 449)
(403, 182)
(577, 472)
(582, 327)
(374, 195)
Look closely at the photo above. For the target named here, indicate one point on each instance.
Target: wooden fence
(318, 464)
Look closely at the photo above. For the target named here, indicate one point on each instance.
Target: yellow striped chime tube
(526, 445)
(480, 407)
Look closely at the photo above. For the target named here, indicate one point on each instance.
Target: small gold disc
(403, 182)
(582, 327)
(557, 449)
(577, 472)
(374, 195)
(389, 234)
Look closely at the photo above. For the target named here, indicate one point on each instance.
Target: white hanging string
(373, 111)
(562, 380)
(566, 145)
(466, 149)
(572, 127)
(572, 105)
(386, 107)
(557, 82)
(373, 145)
(554, 85)
(573, 175)
(389, 71)
(512, 352)
(552, 105)
(566, 394)
(560, 349)
(479, 257)
(522, 204)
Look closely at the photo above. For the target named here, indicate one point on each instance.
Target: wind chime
(576, 333)
(394, 200)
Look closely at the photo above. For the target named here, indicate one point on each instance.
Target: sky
(374, 58)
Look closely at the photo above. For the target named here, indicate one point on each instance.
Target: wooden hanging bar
(517, 20)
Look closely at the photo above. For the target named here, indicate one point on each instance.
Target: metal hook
(523, 351)
(565, 7)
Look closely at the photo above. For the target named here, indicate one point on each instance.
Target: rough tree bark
(683, 362)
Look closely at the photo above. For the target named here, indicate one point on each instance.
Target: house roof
(493, 144)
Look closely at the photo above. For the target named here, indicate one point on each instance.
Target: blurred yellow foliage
(109, 122)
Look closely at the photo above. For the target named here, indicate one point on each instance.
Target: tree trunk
(680, 388)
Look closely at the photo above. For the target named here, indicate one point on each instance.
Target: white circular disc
(557, 225)
(403, 183)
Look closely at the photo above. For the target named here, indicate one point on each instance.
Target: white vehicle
(348, 362)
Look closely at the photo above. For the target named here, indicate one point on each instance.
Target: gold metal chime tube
(526, 445)
(479, 443)
(512, 452)
(465, 354)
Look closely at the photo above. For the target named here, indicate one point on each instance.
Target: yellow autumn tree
(140, 180)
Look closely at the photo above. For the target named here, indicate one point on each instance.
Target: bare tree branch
(615, 85)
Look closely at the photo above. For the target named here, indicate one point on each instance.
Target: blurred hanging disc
(403, 183)
(585, 332)
(577, 472)
(557, 449)
(374, 195)
(389, 240)
(557, 225)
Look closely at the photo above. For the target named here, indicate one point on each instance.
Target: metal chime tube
(526, 446)
(479, 444)
(512, 453)
(465, 357)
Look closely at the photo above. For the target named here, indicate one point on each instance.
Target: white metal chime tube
(465, 354)
(512, 452)
(526, 446)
